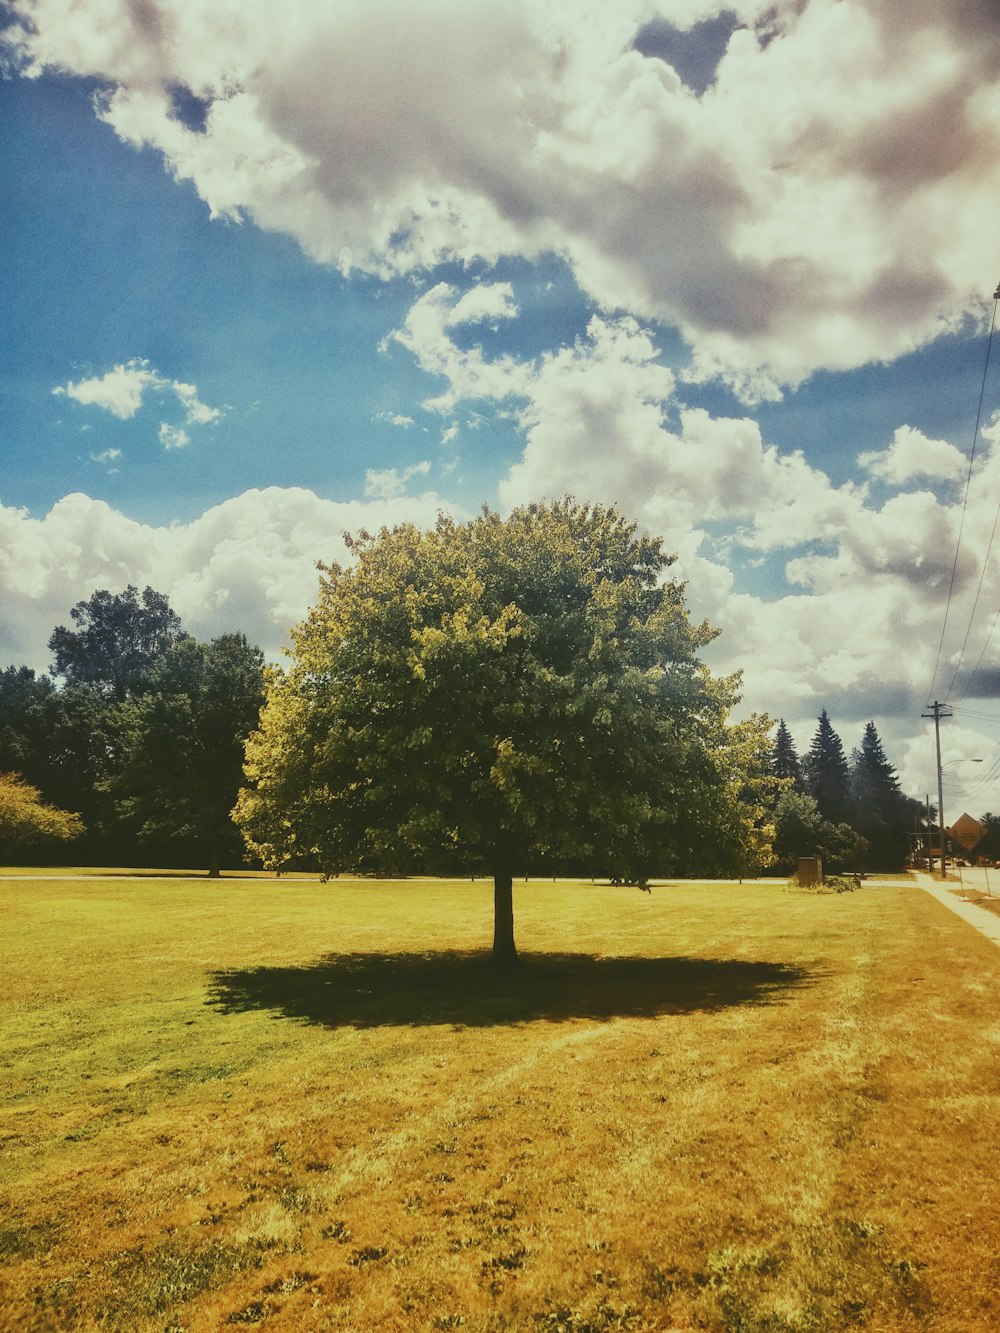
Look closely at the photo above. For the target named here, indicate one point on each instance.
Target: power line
(996, 617)
(971, 712)
(961, 524)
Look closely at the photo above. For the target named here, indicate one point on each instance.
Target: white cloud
(248, 564)
(911, 455)
(122, 390)
(856, 582)
(470, 374)
(173, 437)
(198, 413)
(384, 483)
(395, 419)
(829, 201)
(107, 457)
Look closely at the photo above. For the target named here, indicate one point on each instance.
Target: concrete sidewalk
(988, 923)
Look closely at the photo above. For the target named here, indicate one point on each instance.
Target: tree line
(852, 813)
(141, 736)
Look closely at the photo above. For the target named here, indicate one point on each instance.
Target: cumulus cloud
(384, 483)
(912, 455)
(853, 579)
(827, 200)
(247, 564)
(121, 391)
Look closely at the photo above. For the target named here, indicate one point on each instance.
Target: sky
(270, 276)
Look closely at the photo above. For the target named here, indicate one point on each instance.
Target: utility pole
(937, 712)
(927, 824)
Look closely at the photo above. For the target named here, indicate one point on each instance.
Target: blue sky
(729, 267)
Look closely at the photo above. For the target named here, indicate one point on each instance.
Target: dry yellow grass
(311, 1107)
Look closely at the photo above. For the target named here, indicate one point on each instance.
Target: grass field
(314, 1106)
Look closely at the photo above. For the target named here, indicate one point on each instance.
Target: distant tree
(25, 723)
(25, 818)
(86, 747)
(827, 774)
(800, 830)
(881, 813)
(785, 762)
(118, 637)
(494, 694)
(991, 823)
(184, 745)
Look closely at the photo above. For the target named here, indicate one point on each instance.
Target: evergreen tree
(882, 814)
(785, 762)
(827, 774)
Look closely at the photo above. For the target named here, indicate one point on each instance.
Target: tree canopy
(118, 637)
(800, 830)
(183, 743)
(26, 818)
(500, 693)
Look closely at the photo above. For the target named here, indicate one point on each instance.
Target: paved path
(985, 921)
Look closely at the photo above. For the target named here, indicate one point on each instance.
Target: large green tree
(800, 830)
(882, 814)
(183, 745)
(498, 694)
(25, 722)
(116, 639)
(827, 773)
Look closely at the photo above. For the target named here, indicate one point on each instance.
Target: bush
(828, 884)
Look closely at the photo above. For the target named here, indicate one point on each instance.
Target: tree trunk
(215, 857)
(504, 951)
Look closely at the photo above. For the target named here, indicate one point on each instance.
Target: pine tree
(881, 812)
(827, 774)
(785, 762)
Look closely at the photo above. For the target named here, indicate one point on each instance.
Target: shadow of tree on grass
(465, 990)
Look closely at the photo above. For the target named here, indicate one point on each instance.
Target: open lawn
(316, 1107)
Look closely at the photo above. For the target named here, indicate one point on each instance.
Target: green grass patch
(317, 1106)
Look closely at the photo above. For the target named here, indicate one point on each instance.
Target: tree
(496, 694)
(117, 639)
(184, 744)
(827, 774)
(800, 830)
(882, 814)
(785, 762)
(25, 723)
(991, 823)
(25, 818)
